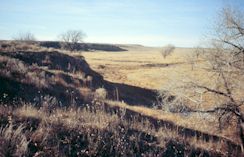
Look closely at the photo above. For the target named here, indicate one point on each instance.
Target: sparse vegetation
(25, 37)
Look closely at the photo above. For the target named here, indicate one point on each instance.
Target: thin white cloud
(33, 27)
(147, 40)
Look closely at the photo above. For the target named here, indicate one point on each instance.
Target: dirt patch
(122, 61)
(160, 65)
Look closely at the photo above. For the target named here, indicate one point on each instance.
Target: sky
(147, 22)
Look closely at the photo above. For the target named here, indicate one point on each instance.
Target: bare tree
(167, 50)
(25, 36)
(193, 58)
(71, 39)
(225, 69)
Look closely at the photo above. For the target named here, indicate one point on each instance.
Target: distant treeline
(82, 46)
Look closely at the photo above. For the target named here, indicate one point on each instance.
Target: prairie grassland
(145, 67)
(139, 66)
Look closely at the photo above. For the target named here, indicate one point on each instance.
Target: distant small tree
(25, 36)
(190, 58)
(71, 39)
(167, 50)
(194, 57)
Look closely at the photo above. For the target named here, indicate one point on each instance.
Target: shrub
(167, 50)
(100, 94)
(13, 142)
(25, 36)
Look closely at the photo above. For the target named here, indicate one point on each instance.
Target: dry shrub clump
(14, 68)
(93, 130)
(13, 141)
(11, 46)
(101, 94)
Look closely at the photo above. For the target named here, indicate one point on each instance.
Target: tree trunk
(241, 133)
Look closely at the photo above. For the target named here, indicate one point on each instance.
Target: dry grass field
(139, 66)
(146, 67)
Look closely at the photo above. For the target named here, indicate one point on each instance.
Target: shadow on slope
(60, 67)
(131, 94)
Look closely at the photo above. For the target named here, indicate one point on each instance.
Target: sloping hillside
(29, 74)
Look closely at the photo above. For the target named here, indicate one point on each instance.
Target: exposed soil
(160, 65)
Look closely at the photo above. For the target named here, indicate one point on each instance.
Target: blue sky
(147, 22)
